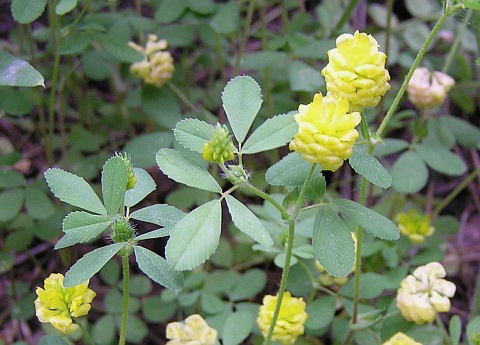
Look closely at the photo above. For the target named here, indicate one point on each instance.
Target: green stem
(286, 21)
(126, 285)
(301, 198)
(184, 99)
(440, 325)
(458, 39)
(455, 192)
(254, 190)
(221, 62)
(346, 14)
(476, 300)
(417, 60)
(86, 335)
(283, 283)
(246, 30)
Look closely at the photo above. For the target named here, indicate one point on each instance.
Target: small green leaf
(369, 167)
(161, 105)
(247, 222)
(104, 330)
(473, 330)
(90, 264)
(227, 19)
(273, 133)
(320, 312)
(11, 201)
(332, 242)
(473, 4)
(159, 214)
(52, 340)
(242, 98)
(304, 77)
(170, 11)
(193, 134)
(11, 179)
(17, 72)
(389, 146)
(455, 329)
(73, 190)
(237, 327)
(26, 11)
(163, 232)
(291, 170)
(409, 173)
(183, 170)
(114, 184)
(65, 6)
(211, 304)
(144, 186)
(158, 269)
(118, 48)
(250, 284)
(82, 226)
(39, 205)
(371, 286)
(441, 160)
(376, 224)
(143, 148)
(195, 237)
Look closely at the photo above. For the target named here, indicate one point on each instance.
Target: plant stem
(84, 331)
(252, 189)
(126, 285)
(346, 14)
(184, 99)
(458, 39)
(417, 60)
(476, 300)
(301, 198)
(283, 283)
(243, 42)
(285, 19)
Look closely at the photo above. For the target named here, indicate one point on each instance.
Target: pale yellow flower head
(356, 70)
(194, 331)
(326, 131)
(291, 319)
(424, 293)
(156, 68)
(401, 339)
(57, 304)
(220, 148)
(427, 89)
(414, 225)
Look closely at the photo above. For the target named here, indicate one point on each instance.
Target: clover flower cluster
(415, 225)
(355, 78)
(291, 319)
(220, 148)
(427, 89)
(156, 68)
(424, 293)
(194, 331)
(57, 304)
(401, 339)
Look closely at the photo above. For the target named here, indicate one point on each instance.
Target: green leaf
(273, 133)
(161, 105)
(183, 170)
(369, 167)
(118, 48)
(163, 232)
(376, 224)
(65, 6)
(332, 242)
(144, 186)
(104, 330)
(11, 201)
(389, 146)
(441, 159)
(73, 190)
(202, 7)
(195, 237)
(423, 9)
(114, 184)
(371, 286)
(16, 102)
(237, 327)
(17, 72)
(409, 173)
(320, 312)
(26, 11)
(247, 222)
(159, 214)
(291, 170)
(250, 284)
(211, 303)
(143, 148)
(242, 98)
(156, 309)
(82, 226)
(415, 34)
(39, 205)
(473, 329)
(193, 134)
(52, 340)
(227, 19)
(158, 269)
(11, 179)
(304, 77)
(170, 11)
(473, 4)
(455, 329)
(90, 264)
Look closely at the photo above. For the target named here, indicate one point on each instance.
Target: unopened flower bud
(122, 231)
(220, 148)
(414, 225)
(428, 89)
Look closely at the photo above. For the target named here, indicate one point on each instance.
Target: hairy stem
(126, 285)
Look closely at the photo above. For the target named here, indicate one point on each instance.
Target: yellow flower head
(415, 225)
(156, 68)
(401, 339)
(57, 304)
(424, 293)
(356, 70)
(220, 148)
(326, 131)
(291, 319)
(195, 331)
(428, 89)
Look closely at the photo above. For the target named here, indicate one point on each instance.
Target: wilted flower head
(424, 293)
(326, 131)
(290, 321)
(428, 89)
(57, 304)
(401, 339)
(220, 148)
(356, 70)
(156, 68)
(414, 225)
(195, 331)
